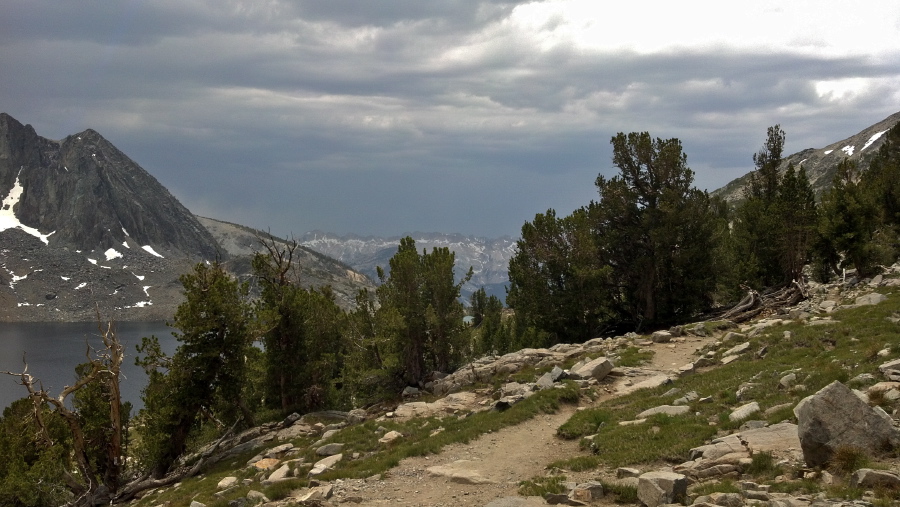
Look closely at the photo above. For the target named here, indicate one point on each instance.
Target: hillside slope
(821, 163)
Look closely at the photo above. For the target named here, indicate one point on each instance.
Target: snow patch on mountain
(8, 219)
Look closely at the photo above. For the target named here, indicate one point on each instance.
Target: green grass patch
(847, 460)
(576, 464)
(540, 486)
(621, 493)
(799, 487)
(725, 486)
(633, 356)
(763, 466)
(818, 355)
(584, 423)
(282, 489)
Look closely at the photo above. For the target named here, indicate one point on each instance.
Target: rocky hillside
(314, 269)
(821, 163)
(799, 408)
(489, 258)
(83, 227)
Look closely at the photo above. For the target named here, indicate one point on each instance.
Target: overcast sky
(392, 116)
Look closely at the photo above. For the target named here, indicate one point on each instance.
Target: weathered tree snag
(105, 366)
(754, 303)
(143, 483)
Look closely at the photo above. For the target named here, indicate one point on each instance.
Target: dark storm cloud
(387, 117)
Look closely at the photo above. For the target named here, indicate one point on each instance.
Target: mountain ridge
(821, 163)
(488, 257)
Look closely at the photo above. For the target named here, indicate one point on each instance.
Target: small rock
(623, 472)
(325, 464)
(664, 409)
(788, 380)
(661, 337)
(227, 482)
(330, 449)
(256, 497)
(390, 437)
(744, 411)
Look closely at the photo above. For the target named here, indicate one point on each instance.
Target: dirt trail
(505, 457)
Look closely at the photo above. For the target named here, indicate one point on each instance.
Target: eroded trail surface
(501, 459)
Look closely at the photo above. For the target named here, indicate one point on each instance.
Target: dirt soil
(505, 457)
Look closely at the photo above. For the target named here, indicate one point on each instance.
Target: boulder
(598, 368)
(279, 451)
(835, 417)
(557, 374)
(227, 482)
(744, 411)
(661, 337)
(283, 473)
(658, 488)
(779, 438)
(330, 449)
(317, 494)
(587, 492)
(390, 437)
(889, 366)
(737, 349)
(325, 464)
(664, 409)
(546, 381)
(872, 479)
(870, 299)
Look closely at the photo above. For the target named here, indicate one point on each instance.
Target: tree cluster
(240, 359)
(653, 250)
(641, 255)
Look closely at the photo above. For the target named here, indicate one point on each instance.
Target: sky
(458, 116)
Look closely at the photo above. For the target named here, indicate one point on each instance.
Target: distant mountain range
(489, 258)
(83, 227)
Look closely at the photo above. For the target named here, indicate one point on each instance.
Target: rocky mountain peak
(83, 193)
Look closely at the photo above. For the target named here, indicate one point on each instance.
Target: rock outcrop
(835, 417)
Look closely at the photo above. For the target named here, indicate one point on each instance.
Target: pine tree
(422, 299)
(205, 376)
(847, 223)
(302, 332)
(558, 281)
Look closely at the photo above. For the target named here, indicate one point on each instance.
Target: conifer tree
(205, 376)
(421, 296)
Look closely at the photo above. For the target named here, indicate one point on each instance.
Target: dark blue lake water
(54, 349)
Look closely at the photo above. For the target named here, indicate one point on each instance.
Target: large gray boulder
(658, 488)
(835, 417)
(872, 479)
(598, 368)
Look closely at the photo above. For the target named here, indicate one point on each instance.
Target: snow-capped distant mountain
(489, 258)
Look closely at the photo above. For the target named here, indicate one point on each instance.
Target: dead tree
(755, 304)
(105, 367)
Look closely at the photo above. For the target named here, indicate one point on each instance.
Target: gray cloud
(389, 117)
